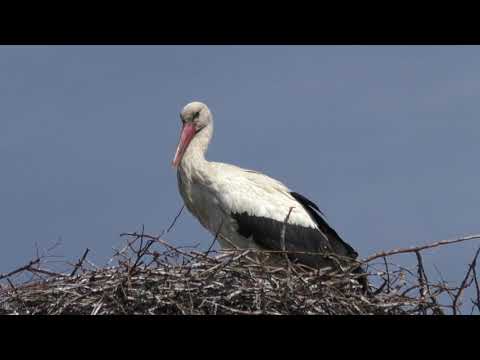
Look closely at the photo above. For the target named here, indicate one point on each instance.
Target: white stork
(244, 208)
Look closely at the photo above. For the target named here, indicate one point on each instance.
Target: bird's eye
(195, 115)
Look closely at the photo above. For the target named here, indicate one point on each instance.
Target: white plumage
(246, 209)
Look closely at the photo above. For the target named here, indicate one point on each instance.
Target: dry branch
(420, 248)
(463, 286)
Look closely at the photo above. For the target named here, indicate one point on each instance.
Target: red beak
(187, 134)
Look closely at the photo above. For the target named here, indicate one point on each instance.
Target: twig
(157, 239)
(215, 238)
(45, 272)
(477, 288)
(80, 262)
(284, 228)
(464, 282)
(97, 307)
(175, 220)
(419, 248)
(282, 237)
(444, 282)
(20, 269)
(421, 279)
(387, 273)
(140, 253)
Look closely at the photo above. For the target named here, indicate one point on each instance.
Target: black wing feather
(339, 246)
(305, 202)
(267, 232)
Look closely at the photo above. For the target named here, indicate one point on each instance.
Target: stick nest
(151, 276)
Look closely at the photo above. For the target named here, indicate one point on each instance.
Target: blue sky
(383, 138)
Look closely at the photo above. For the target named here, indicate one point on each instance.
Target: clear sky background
(385, 139)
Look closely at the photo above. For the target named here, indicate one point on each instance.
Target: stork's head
(195, 116)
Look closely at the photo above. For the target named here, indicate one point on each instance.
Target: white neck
(194, 156)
